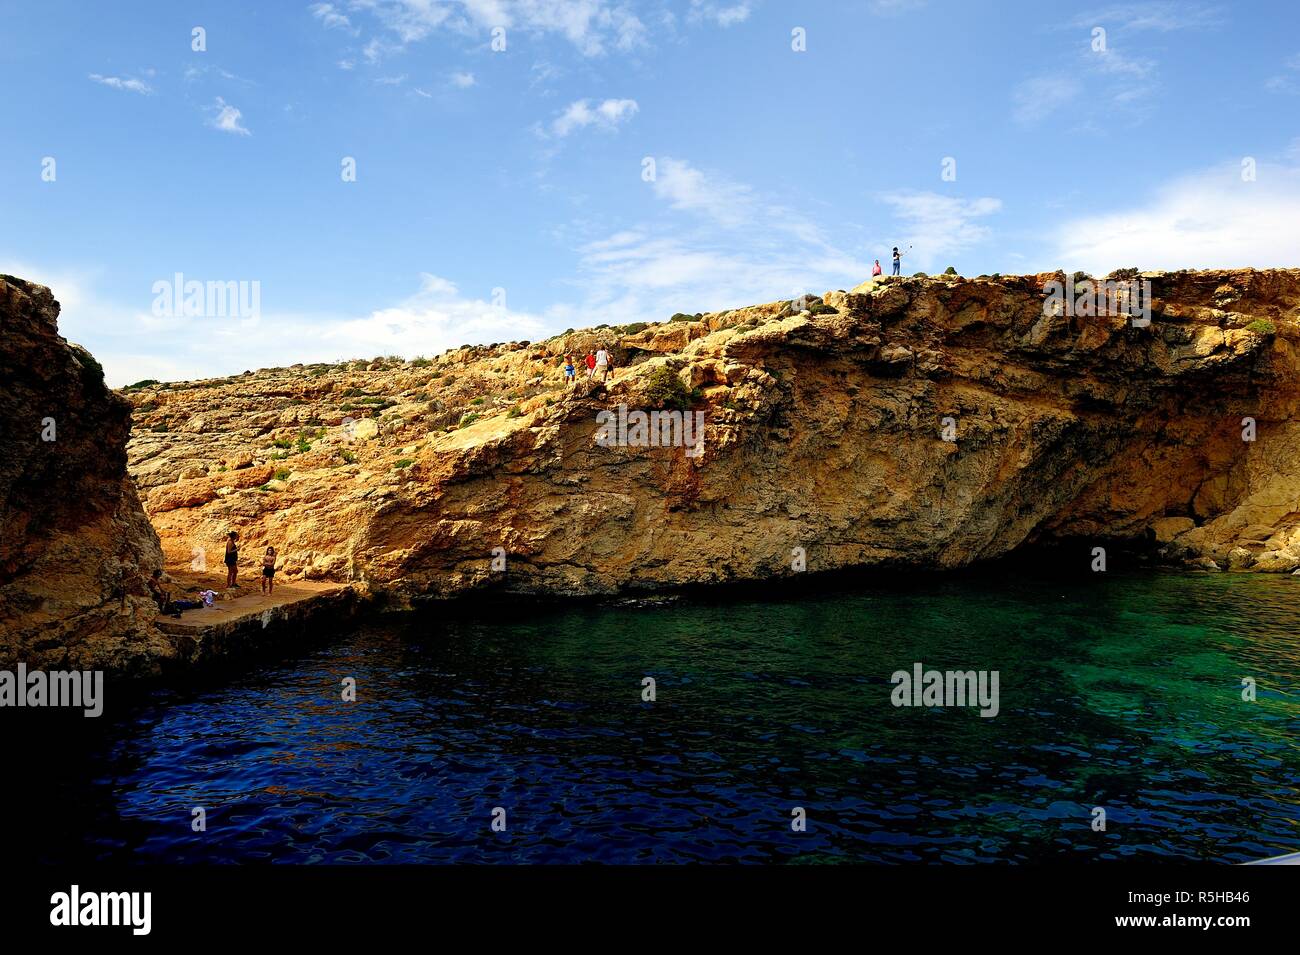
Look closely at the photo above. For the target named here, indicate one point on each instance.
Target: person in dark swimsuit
(232, 559)
(268, 571)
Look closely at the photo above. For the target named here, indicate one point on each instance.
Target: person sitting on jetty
(268, 571)
(232, 559)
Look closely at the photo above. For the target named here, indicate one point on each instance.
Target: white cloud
(1105, 84)
(331, 16)
(734, 247)
(227, 119)
(1288, 82)
(891, 8)
(436, 317)
(118, 83)
(594, 27)
(687, 188)
(938, 226)
(1210, 219)
(580, 114)
(463, 81)
(723, 14)
(1040, 96)
(1163, 16)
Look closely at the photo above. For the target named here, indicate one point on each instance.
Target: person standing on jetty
(268, 571)
(232, 559)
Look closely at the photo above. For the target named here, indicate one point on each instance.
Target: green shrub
(403, 463)
(514, 412)
(1262, 327)
(950, 271)
(634, 328)
(282, 474)
(821, 308)
(421, 362)
(348, 457)
(919, 275)
(467, 420)
(477, 401)
(142, 384)
(663, 389)
(681, 317)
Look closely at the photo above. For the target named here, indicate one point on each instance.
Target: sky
(382, 177)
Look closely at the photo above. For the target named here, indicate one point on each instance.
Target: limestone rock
(75, 546)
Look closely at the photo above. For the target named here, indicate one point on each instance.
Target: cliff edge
(926, 422)
(75, 545)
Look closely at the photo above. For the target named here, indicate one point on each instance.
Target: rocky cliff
(916, 422)
(75, 545)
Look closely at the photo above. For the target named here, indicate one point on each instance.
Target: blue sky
(502, 194)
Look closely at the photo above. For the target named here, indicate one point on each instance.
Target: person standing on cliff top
(268, 571)
(876, 269)
(232, 559)
(898, 261)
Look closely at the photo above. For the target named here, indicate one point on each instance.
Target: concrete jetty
(296, 611)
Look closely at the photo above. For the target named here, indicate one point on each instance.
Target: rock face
(922, 422)
(75, 545)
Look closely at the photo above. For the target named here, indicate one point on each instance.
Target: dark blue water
(1119, 692)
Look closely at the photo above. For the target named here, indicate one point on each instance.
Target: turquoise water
(1116, 691)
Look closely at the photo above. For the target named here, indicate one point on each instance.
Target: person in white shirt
(602, 363)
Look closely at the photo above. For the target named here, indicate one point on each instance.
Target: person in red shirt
(877, 269)
(591, 364)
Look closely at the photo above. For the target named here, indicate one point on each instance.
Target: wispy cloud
(891, 8)
(1103, 80)
(938, 225)
(120, 83)
(1287, 81)
(463, 81)
(228, 119)
(1040, 96)
(594, 27)
(723, 14)
(1163, 16)
(686, 188)
(331, 16)
(718, 244)
(608, 114)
